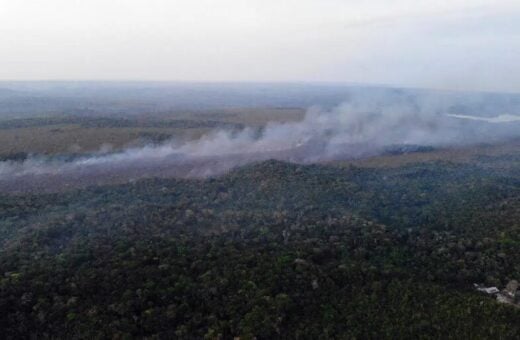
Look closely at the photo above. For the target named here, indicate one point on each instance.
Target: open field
(57, 139)
(77, 134)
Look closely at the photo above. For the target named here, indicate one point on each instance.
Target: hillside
(269, 250)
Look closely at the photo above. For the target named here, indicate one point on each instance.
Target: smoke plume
(360, 127)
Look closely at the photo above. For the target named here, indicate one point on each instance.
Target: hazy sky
(460, 44)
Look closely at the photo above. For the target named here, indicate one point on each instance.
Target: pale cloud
(444, 44)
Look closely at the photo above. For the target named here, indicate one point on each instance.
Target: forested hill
(271, 250)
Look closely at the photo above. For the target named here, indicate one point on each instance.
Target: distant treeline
(106, 122)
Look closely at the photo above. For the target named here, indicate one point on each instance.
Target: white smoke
(356, 128)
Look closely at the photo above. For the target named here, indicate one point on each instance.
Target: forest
(270, 250)
(260, 170)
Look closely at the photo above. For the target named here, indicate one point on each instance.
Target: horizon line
(253, 82)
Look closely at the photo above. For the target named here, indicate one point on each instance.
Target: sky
(456, 44)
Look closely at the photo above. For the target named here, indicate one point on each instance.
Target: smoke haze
(365, 125)
(456, 44)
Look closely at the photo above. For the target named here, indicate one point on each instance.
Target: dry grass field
(73, 138)
(38, 136)
(248, 116)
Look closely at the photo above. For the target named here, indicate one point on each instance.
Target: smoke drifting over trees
(366, 124)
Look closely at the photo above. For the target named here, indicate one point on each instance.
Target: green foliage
(272, 250)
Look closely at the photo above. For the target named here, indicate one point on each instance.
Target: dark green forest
(270, 250)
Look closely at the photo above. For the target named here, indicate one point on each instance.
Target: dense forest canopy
(270, 250)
